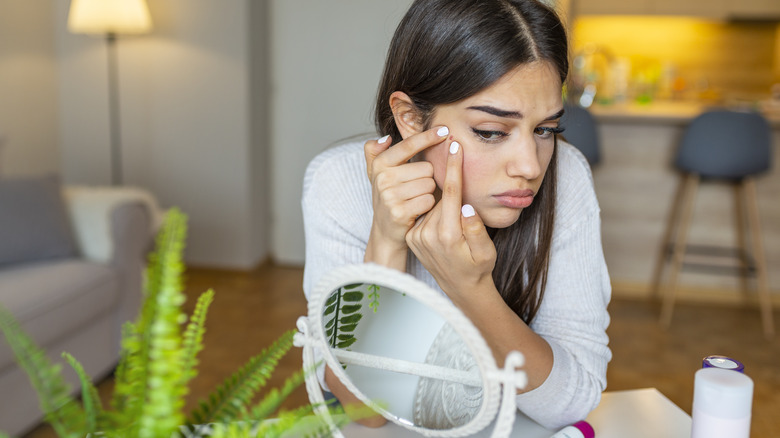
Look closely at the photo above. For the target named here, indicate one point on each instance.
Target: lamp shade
(109, 16)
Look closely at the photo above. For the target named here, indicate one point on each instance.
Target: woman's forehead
(533, 87)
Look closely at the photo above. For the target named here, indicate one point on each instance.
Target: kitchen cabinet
(692, 8)
(607, 7)
(717, 9)
(754, 9)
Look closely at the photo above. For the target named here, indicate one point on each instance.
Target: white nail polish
(383, 139)
(454, 147)
(443, 131)
(467, 210)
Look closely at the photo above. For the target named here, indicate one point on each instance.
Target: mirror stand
(495, 388)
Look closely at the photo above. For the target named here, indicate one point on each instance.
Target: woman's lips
(515, 198)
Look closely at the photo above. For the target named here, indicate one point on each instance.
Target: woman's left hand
(451, 240)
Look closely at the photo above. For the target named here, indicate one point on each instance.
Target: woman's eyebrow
(497, 112)
(510, 114)
(557, 115)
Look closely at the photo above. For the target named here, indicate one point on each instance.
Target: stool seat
(726, 145)
(581, 131)
(733, 147)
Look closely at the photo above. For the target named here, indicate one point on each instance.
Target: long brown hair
(444, 51)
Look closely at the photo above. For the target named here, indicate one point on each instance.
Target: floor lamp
(109, 18)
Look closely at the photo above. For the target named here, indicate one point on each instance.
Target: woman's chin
(501, 219)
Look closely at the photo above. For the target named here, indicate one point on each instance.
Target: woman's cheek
(470, 177)
(437, 156)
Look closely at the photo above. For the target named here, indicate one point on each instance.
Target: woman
(470, 191)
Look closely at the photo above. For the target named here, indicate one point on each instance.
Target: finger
(476, 235)
(408, 190)
(411, 146)
(451, 196)
(372, 149)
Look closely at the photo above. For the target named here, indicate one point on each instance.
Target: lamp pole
(113, 110)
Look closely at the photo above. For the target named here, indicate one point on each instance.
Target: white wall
(28, 89)
(326, 61)
(185, 121)
(195, 109)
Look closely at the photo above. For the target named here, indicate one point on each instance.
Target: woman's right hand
(402, 191)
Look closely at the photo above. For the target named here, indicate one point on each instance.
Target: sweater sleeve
(337, 212)
(337, 216)
(573, 315)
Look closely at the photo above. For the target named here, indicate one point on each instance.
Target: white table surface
(639, 413)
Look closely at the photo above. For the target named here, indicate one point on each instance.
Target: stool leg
(749, 188)
(668, 236)
(688, 197)
(739, 226)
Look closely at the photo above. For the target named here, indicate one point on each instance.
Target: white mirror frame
(311, 335)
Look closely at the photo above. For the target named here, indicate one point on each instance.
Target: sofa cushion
(53, 299)
(34, 222)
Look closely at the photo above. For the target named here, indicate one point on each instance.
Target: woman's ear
(407, 119)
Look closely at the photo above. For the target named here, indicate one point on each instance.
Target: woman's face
(507, 134)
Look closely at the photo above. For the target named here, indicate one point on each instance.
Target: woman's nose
(523, 160)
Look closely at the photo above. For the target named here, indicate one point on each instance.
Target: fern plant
(157, 362)
(342, 311)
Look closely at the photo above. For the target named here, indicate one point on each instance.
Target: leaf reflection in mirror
(365, 322)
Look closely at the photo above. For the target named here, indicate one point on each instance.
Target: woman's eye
(547, 132)
(489, 136)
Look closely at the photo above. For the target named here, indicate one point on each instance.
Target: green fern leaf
(147, 381)
(231, 430)
(373, 296)
(274, 398)
(352, 296)
(230, 399)
(352, 308)
(90, 399)
(60, 409)
(336, 321)
(287, 421)
(161, 411)
(193, 335)
(351, 319)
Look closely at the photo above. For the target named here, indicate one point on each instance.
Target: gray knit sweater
(337, 213)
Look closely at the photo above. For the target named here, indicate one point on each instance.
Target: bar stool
(581, 131)
(726, 146)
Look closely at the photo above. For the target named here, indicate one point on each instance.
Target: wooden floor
(252, 309)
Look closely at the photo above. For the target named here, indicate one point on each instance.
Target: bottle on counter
(722, 399)
(580, 429)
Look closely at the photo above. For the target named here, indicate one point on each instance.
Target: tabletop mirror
(405, 350)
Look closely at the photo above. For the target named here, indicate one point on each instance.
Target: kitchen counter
(668, 112)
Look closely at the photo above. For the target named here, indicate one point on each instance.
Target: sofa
(71, 272)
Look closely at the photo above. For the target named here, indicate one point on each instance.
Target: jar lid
(585, 428)
(723, 362)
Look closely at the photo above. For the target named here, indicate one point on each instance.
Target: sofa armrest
(102, 231)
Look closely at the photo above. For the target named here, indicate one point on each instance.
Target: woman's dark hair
(444, 51)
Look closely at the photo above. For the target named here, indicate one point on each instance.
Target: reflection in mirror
(401, 354)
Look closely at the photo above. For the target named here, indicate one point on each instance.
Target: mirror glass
(403, 355)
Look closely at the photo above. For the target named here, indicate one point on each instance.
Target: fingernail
(454, 147)
(467, 210)
(443, 131)
(383, 139)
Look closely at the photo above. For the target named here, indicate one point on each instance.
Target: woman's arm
(505, 332)
(353, 407)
